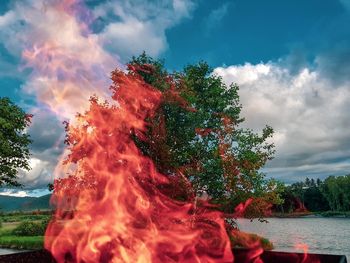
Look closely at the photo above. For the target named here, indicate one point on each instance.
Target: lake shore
(311, 215)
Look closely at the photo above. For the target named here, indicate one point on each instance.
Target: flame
(112, 208)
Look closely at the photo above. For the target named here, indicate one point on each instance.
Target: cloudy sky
(291, 60)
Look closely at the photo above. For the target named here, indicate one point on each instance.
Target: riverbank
(334, 214)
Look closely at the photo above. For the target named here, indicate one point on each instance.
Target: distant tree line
(332, 194)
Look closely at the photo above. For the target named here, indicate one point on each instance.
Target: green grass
(10, 222)
(33, 242)
(7, 228)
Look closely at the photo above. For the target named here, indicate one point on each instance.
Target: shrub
(248, 240)
(28, 228)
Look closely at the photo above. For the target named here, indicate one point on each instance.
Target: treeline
(332, 194)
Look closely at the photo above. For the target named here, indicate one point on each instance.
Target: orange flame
(112, 208)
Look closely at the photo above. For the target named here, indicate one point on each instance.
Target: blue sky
(235, 32)
(291, 60)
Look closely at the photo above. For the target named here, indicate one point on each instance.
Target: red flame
(112, 208)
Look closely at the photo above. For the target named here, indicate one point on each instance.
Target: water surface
(321, 235)
(5, 251)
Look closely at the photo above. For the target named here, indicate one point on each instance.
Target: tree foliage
(14, 142)
(331, 194)
(336, 191)
(197, 133)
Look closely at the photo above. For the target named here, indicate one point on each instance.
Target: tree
(196, 132)
(336, 190)
(14, 142)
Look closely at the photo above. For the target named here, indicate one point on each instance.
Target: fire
(112, 207)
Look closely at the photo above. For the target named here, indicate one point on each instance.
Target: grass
(7, 228)
(10, 222)
(18, 242)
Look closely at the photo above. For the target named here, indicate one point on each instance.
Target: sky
(291, 60)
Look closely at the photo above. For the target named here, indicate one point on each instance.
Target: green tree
(14, 142)
(314, 199)
(336, 190)
(197, 133)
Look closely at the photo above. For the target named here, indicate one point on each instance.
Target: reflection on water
(321, 235)
(5, 251)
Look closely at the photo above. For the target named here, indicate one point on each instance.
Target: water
(5, 251)
(321, 235)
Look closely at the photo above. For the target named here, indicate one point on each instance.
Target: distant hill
(12, 203)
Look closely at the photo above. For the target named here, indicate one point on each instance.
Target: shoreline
(327, 214)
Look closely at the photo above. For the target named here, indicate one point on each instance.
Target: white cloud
(24, 193)
(7, 18)
(140, 25)
(10, 192)
(308, 112)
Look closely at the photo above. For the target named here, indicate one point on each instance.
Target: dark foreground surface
(241, 255)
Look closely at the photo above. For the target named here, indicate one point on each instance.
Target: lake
(321, 235)
(5, 251)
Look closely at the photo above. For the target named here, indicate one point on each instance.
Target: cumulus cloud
(47, 134)
(13, 192)
(140, 25)
(308, 112)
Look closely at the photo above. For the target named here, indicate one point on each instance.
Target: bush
(23, 217)
(28, 228)
(248, 240)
